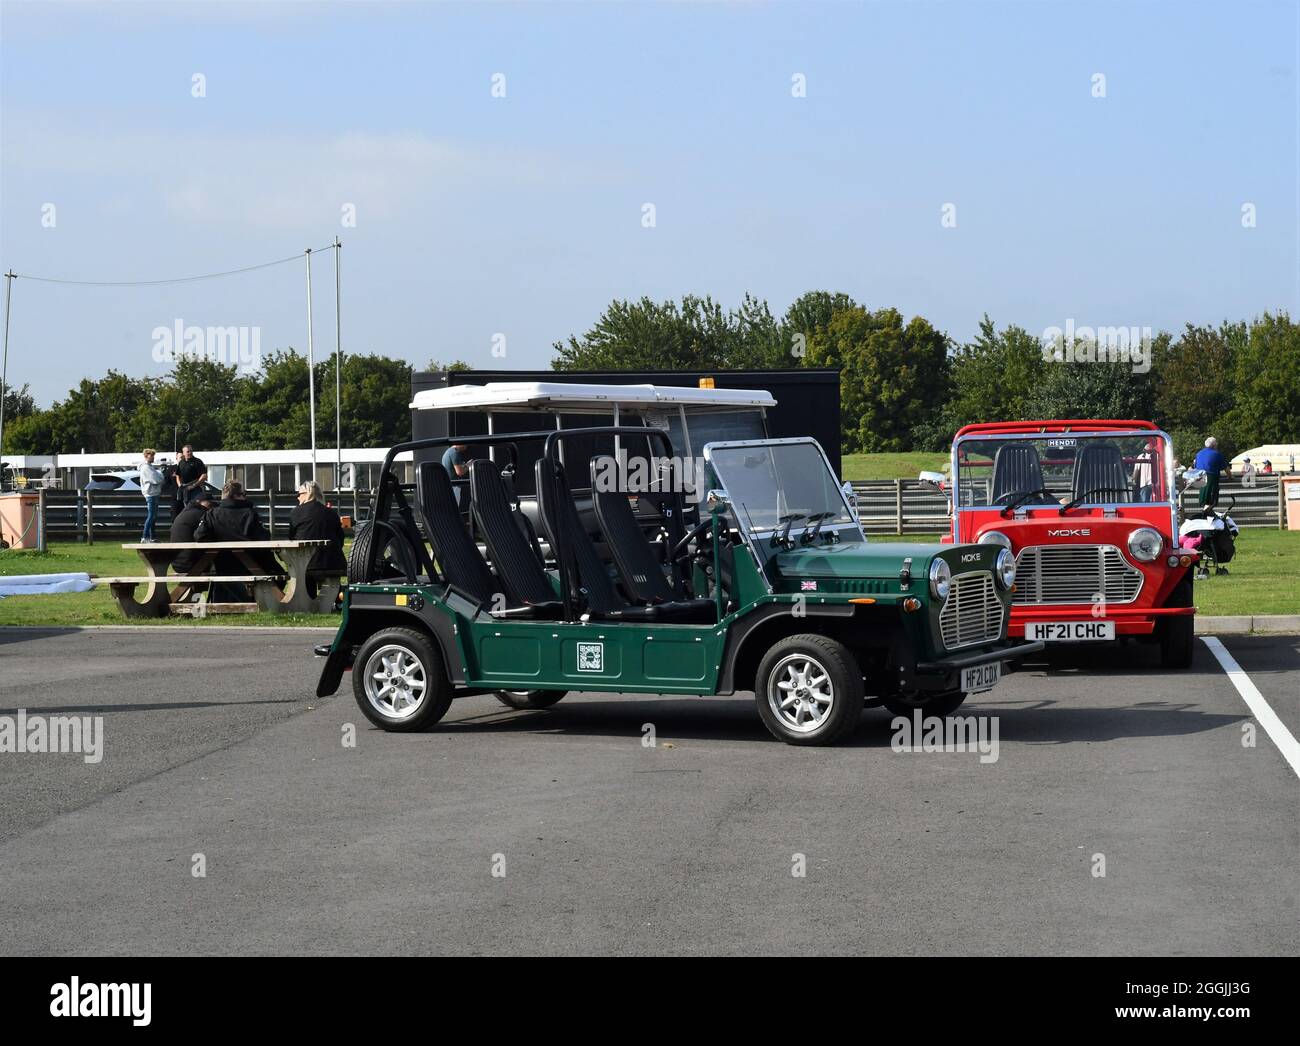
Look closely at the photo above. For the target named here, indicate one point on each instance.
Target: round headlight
(940, 579)
(1004, 569)
(1144, 544)
(995, 537)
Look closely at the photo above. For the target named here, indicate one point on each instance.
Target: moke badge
(591, 657)
(1079, 533)
(970, 557)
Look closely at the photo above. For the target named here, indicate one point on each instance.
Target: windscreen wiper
(1089, 493)
(781, 538)
(810, 533)
(1020, 497)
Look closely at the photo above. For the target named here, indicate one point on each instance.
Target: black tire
(359, 556)
(393, 547)
(1178, 634)
(391, 649)
(524, 700)
(1177, 641)
(937, 704)
(808, 658)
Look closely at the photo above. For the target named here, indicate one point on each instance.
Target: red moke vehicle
(1090, 511)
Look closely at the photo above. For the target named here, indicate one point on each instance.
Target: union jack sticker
(807, 586)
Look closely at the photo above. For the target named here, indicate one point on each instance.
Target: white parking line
(1273, 726)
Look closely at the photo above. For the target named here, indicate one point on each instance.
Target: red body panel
(1043, 526)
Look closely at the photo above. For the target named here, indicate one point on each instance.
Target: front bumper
(1129, 621)
(945, 675)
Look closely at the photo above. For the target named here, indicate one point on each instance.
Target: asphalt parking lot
(213, 745)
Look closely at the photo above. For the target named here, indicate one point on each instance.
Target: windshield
(772, 484)
(1103, 469)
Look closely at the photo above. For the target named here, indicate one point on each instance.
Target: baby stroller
(1212, 534)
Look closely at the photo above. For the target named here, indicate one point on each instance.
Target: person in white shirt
(1247, 473)
(151, 483)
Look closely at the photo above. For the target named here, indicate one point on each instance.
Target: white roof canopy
(582, 399)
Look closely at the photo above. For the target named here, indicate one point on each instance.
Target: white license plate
(981, 677)
(1070, 631)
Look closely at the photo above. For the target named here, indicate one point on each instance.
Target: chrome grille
(973, 612)
(1075, 574)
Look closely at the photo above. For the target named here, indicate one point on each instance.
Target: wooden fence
(901, 506)
(904, 506)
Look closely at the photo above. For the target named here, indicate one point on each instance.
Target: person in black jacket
(234, 518)
(184, 525)
(315, 520)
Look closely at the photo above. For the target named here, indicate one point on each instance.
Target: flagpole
(4, 369)
(338, 366)
(311, 371)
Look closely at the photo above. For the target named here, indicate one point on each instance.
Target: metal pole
(338, 365)
(4, 370)
(311, 371)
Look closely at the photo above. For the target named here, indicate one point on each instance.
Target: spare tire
(396, 558)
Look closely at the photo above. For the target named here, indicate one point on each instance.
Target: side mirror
(850, 495)
(935, 481)
(716, 501)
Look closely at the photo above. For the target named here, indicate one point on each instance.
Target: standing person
(190, 474)
(1214, 465)
(1247, 473)
(453, 460)
(151, 484)
(313, 520)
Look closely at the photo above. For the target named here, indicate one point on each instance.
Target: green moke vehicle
(766, 584)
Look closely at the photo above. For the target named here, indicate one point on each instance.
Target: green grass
(106, 559)
(891, 466)
(1263, 578)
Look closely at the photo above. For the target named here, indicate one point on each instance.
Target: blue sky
(522, 215)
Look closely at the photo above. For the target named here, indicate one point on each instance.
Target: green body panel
(505, 654)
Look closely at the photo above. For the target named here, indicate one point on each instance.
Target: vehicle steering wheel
(680, 550)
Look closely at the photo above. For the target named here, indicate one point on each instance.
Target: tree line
(904, 384)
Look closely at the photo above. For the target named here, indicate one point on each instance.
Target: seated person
(313, 520)
(235, 519)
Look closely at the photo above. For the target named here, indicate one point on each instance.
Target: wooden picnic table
(274, 592)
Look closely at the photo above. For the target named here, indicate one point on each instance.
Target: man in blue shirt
(457, 465)
(1214, 464)
(453, 460)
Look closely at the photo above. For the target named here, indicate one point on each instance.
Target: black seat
(516, 563)
(577, 555)
(1100, 467)
(461, 562)
(1018, 470)
(634, 559)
